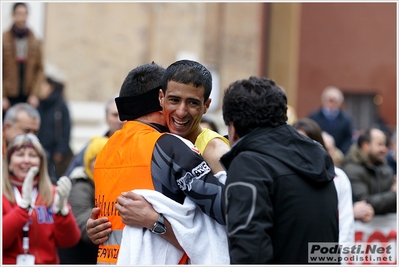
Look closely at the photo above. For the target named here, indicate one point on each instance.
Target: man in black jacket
(279, 194)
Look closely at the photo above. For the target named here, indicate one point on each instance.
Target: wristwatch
(159, 226)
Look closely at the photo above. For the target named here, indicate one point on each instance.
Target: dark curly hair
(252, 103)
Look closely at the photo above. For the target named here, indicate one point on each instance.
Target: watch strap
(159, 226)
(160, 219)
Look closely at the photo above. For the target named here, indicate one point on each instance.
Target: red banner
(381, 229)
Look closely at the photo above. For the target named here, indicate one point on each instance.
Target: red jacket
(46, 232)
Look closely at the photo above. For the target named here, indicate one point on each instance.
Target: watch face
(158, 229)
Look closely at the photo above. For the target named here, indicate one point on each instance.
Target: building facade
(304, 47)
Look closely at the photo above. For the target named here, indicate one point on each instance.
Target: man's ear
(161, 97)
(6, 126)
(207, 104)
(233, 136)
(6, 130)
(365, 147)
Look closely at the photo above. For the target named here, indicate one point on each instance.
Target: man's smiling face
(183, 106)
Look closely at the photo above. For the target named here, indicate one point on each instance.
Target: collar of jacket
(226, 159)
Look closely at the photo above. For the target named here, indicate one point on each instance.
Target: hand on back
(98, 229)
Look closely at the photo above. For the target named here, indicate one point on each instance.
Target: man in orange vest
(140, 156)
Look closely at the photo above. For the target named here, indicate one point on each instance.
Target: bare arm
(138, 212)
(214, 150)
(98, 229)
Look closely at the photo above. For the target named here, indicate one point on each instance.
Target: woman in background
(36, 215)
(311, 129)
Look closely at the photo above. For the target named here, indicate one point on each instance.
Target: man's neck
(192, 136)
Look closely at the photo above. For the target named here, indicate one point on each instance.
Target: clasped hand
(134, 211)
(64, 187)
(27, 188)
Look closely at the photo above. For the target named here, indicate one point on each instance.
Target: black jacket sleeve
(178, 170)
(249, 211)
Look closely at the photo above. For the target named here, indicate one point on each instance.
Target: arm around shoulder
(215, 149)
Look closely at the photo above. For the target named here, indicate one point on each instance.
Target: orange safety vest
(120, 168)
(122, 165)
